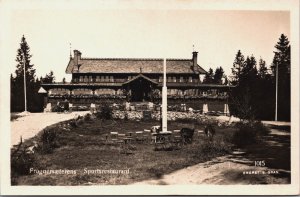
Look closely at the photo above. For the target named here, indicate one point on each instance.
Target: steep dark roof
(132, 65)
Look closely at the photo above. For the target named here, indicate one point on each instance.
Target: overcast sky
(153, 33)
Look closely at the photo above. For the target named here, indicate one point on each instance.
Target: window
(90, 79)
(111, 79)
(106, 78)
(81, 79)
(174, 79)
(180, 92)
(160, 79)
(214, 91)
(102, 79)
(85, 79)
(119, 92)
(169, 79)
(190, 79)
(181, 79)
(174, 91)
(168, 91)
(97, 78)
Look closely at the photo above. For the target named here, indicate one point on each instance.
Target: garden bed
(85, 148)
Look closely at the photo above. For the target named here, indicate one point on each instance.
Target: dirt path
(237, 168)
(29, 125)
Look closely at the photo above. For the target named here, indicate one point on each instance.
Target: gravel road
(29, 125)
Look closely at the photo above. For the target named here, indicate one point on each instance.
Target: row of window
(97, 79)
(179, 79)
(195, 92)
(86, 79)
(103, 91)
(109, 91)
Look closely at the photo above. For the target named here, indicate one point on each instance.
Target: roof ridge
(137, 59)
(133, 59)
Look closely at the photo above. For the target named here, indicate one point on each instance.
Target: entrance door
(140, 90)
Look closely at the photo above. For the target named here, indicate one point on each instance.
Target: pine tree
(209, 76)
(237, 67)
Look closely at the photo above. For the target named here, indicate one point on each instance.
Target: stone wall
(138, 115)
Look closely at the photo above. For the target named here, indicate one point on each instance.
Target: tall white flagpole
(24, 82)
(164, 100)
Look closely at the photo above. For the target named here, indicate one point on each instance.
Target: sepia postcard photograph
(149, 97)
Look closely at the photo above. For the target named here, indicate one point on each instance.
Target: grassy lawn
(85, 147)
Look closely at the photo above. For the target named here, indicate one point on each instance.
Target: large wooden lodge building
(136, 80)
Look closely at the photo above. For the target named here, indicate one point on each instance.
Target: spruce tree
(218, 76)
(209, 76)
(49, 78)
(23, 54)
(17, 82)
(263, 70)
(237, 67)
(282, 59)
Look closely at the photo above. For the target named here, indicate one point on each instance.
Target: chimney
(77, 57)
(195, 54)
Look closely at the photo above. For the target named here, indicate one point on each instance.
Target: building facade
(120, 80)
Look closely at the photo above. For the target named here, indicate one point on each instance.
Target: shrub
(87, 117)
(73, 124)
(249, 133)
(79, 121)
(105, 112)
(21, 162)
(261, 129)
(49, 140)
